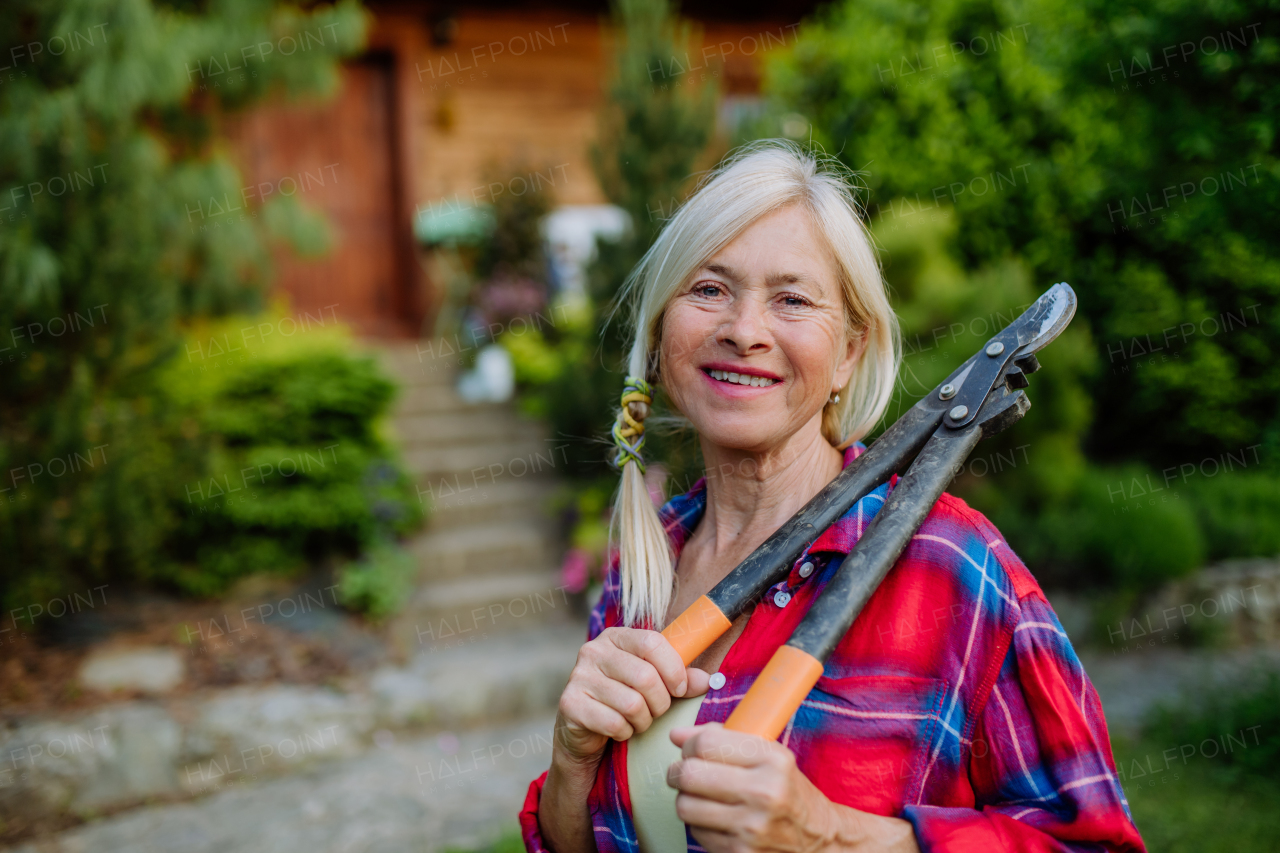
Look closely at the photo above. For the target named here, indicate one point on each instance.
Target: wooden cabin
(443, 96)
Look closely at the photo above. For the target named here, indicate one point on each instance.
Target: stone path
(1131, 684)
(423, 794)
(431, 792)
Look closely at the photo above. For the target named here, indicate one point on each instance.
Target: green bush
(225, 465)
(379, 583)
(1240, 513)
(1094, 537)
(297, 471)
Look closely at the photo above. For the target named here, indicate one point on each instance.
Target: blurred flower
(575, 570)
(503, 298)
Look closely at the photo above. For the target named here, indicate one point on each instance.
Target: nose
(745, 328)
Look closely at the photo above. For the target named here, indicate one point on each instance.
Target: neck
(751, 494)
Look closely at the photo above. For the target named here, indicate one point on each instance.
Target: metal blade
(1046, 318)
(1033, 330)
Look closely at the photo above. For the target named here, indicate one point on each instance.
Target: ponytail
(646, 561)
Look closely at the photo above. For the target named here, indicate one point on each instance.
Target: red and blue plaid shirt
(955, 701)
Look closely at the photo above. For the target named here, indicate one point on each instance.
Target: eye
(793, 300)
(708, 288)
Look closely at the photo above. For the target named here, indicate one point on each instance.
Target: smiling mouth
(741, 378)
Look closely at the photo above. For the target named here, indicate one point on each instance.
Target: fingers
(617, 689)
(654, 648)
(589, 714)
(699, 682)
(632, 705)
(640, 678)
(713, 742)
(710, 780)
(708, 817)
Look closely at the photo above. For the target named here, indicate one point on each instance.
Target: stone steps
(488, 477)
(451, 470)
(446, 614)
(513, 498)
(466, 426)
(488, 548)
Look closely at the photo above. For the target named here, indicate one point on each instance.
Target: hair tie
(629, 439)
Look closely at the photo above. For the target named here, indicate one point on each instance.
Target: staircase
(488, 559)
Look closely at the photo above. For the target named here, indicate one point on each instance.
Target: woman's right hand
(622, 681)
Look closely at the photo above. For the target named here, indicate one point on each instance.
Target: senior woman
(954, 714)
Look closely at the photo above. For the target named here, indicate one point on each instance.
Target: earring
(835, 398)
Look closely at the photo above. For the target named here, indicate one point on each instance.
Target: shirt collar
(681, 515)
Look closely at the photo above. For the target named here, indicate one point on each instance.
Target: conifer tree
(109, 119)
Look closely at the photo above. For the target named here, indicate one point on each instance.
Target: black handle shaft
(884, 540)
(771, 562)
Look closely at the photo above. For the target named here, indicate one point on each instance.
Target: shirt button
(806, 570)
(782, 598)
(717, 681)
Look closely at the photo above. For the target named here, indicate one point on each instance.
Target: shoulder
(960, 541)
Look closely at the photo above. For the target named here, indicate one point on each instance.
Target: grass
(1197, 808)
(509, 842)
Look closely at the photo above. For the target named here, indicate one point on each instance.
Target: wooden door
(340, 158)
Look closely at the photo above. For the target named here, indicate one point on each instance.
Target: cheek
(814, 352)
(684, 333)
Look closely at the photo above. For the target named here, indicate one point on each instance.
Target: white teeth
(741, 379)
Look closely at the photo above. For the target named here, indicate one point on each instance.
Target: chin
(739, 433)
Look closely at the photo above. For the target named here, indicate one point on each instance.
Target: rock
(251, 731)
(493, 678)
(151, 670)
(426, 794)
(116, 756)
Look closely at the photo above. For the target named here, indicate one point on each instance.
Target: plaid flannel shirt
(955, 701)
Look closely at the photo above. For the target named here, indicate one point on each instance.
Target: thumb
(699, 681)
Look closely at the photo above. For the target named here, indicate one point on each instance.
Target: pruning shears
(980, 398)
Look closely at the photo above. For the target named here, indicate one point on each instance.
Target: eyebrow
(772, 280)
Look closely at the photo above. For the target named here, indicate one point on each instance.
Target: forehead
(783, 247)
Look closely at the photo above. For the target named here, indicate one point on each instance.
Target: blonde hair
(757, 179)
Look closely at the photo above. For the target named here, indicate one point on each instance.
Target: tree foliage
(109, 120)
(1127, 148)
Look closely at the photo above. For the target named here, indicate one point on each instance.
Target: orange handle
(777, 693)
(693, 631)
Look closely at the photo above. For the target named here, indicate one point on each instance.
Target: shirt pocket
(864, 740)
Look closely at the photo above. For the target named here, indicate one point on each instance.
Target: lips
(733, 378)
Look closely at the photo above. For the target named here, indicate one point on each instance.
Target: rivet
(995, 349)
(959, 413)
(948, 391)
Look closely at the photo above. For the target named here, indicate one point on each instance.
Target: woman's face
(754, 343)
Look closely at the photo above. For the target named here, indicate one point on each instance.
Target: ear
(855, 345)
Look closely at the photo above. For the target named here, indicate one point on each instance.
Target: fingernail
(684, 686)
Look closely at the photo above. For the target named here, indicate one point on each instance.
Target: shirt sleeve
(1040, 761)
(529, 829)
(603, 614)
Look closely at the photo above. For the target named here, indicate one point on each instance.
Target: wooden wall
(458, 106)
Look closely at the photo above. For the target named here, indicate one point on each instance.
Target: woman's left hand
(739, 793)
